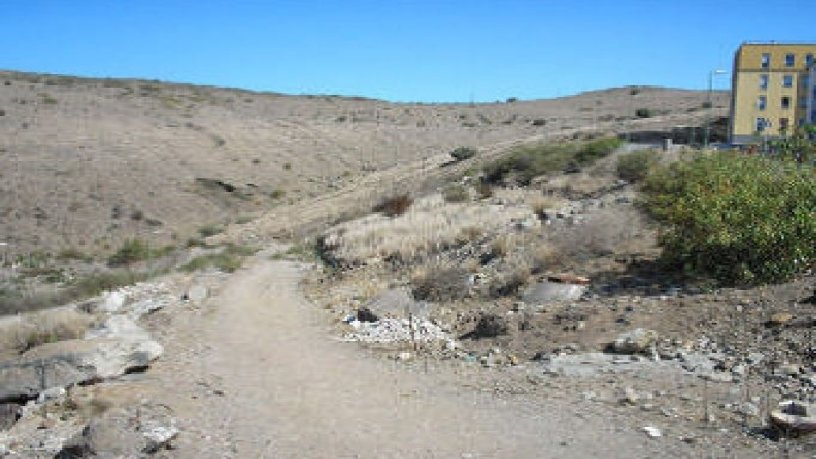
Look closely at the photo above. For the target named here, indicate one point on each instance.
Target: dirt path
(259, 377)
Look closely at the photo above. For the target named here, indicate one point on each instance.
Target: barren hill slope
(85, 163)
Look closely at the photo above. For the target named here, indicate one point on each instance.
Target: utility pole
(709, 105)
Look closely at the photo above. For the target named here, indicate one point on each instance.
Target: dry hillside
(85, 163)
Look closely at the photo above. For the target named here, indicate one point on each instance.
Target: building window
(809, 60)
(803, 102)
(762, 101)
(783, 124)
(790, 60)
(766, 60)
(785, 102)
(805, 80)
(787, 81)
(761, 123)
(763, 81)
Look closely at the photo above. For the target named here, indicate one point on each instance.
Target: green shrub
(463, 153)
(528, 162)
(741, 220)
(97, 282)
(643, 113)
(210, 230)
(634, 166)
(132, 250)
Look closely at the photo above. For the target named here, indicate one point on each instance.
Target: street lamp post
(709, 104)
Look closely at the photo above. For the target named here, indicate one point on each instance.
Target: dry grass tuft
(22, 332)
(429, 226)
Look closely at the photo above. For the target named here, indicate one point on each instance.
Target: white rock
(653, 432)
(112, 301)
(52, 393)
(635, 341)
(197, 293)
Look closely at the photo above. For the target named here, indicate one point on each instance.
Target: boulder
(197, 293)
(111, 302)
(70, 362)
(133, 432)
(547, 291)
(9, 414)
(794, 416)
(780, 318)
(637, 341)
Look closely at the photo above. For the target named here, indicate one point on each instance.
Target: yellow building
(772, 90)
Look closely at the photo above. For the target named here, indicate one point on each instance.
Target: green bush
(741, 220)
(528, 162)
(634, 166)
(643, 113)
(222, 261)
(210, 230)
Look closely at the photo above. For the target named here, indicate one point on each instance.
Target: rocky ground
(594, 315)
(520, 321)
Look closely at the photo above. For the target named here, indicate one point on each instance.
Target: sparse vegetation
(210, 230)
(221, 261)
(527, 162)
(644, 113)
(73, 254)
(135, 250)
(634, 166)
(737, 219)
(228, 260)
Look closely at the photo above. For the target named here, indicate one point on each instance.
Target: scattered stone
(637, 341)
(795, 416)
(653, 432)
(396, 330)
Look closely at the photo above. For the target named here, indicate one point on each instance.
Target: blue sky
(399, 50)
